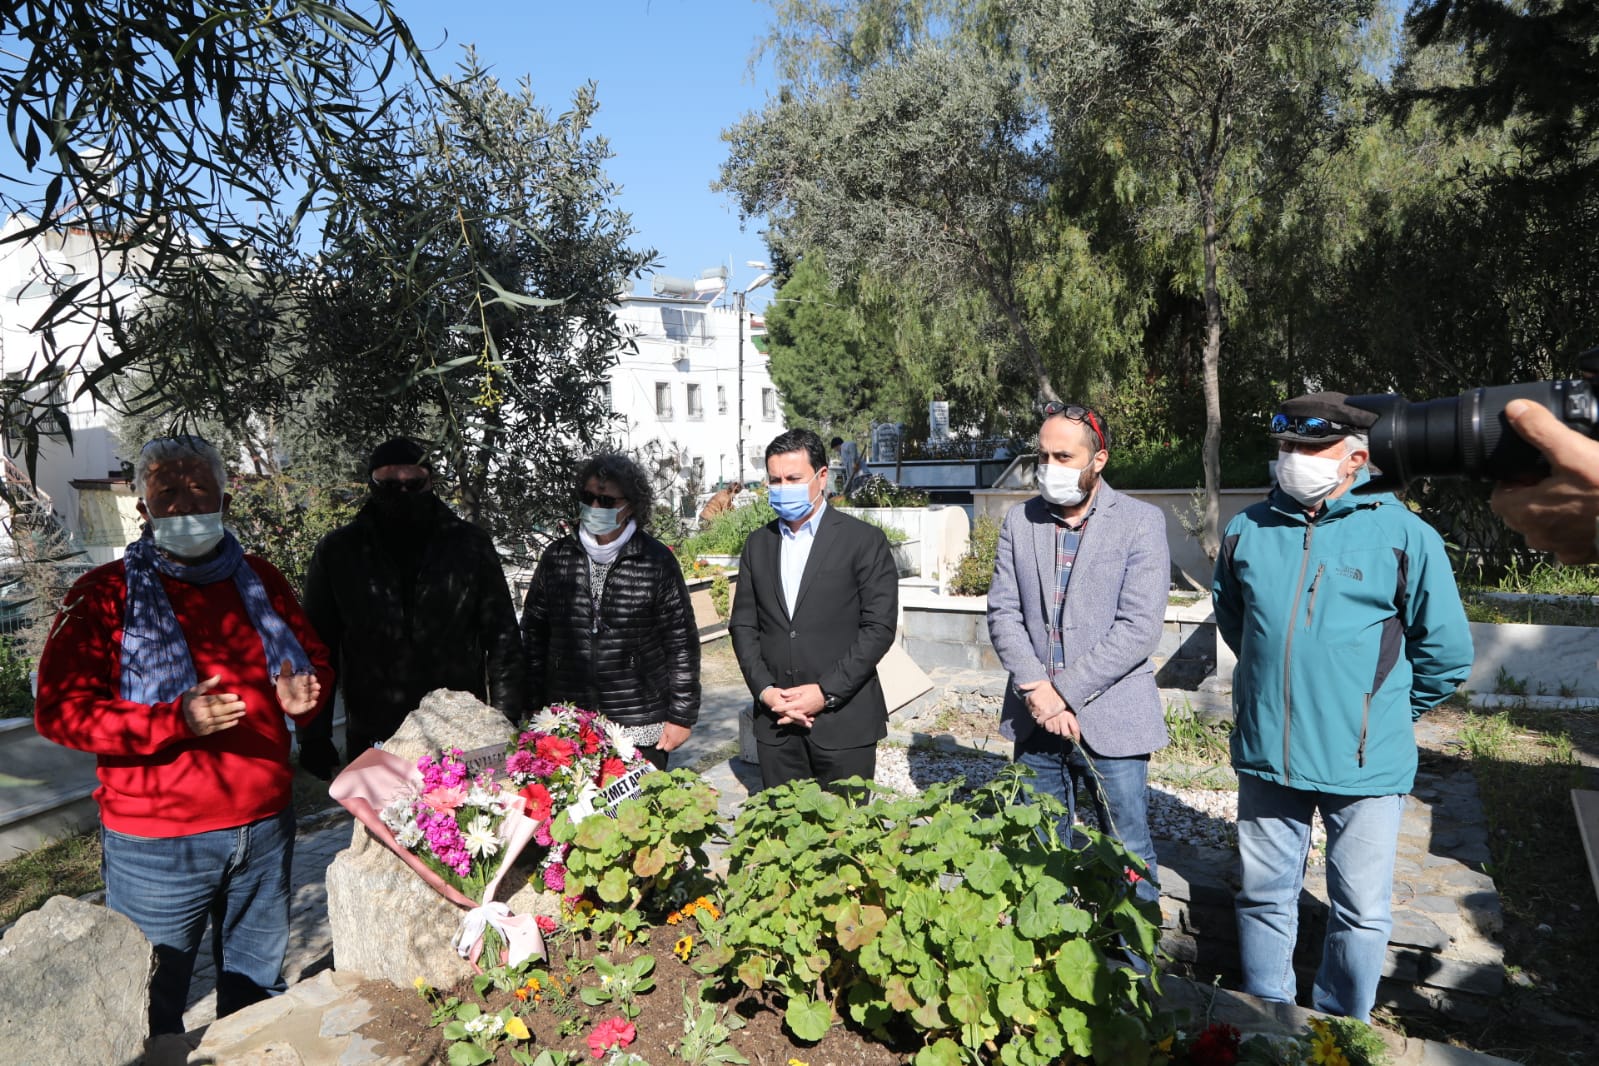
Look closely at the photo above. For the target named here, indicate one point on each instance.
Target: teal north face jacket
(1347, 627)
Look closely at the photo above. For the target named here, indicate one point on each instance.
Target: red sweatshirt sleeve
(80, 702)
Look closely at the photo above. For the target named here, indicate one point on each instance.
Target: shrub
(282, 518)
(16, 681)
(725, 534)
(878, 491)
(975, 570)
(971, 924)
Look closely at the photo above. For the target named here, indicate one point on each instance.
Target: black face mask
(401, 507)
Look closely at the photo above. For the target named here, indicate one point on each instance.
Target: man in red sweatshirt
(175, 666)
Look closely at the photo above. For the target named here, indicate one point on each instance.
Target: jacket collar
(1332, 510)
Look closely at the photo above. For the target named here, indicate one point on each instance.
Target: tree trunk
(1209, 538)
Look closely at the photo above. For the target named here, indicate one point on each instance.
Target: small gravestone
(386, 922)
(77, 986)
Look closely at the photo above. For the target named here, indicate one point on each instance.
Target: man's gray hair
(1357, 442)
(176, 449)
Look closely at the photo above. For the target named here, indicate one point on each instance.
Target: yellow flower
(674, 917)
(521, 994)
(533, 983)
(516, 1028)
(420, 984)
(684, 948)
(797, 1062)
(1165, 1045)
(688, 910)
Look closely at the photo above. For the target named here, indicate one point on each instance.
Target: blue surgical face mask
(187, 536)
(792, 501)
(599, 520)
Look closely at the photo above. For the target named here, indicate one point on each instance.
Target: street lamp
(739, 300)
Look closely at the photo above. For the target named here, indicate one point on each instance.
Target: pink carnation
(555, 877)
(611, 1033)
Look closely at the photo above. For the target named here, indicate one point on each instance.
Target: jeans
(1273, 841)
(1118, 789)
(168, 886)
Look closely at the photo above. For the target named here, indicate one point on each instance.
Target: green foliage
(875, 490)
(974, 571)
(970, 924)
(283, 518)
(622, 984)
(725, 533)
(706, 1031)
(16, 681)
(1178, 464)
(475, 1034)
(721, 595)
(648, 858)
(893, 534)
(189, 138)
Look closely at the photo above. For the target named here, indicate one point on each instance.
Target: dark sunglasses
(1077, 413)
(1309, 427)
(595, 499)
(401, 484)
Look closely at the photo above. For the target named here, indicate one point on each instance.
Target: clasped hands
(208, 711)
(795, 706)
(1049, 710)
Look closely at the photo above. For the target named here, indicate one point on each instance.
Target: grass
(1197, 755)
(69, 867)
(1533, 612)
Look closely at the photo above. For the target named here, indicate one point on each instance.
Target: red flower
(1216, 1046)
(545, 923)
(1132, 876)
(590, 738)
(611, 769)
(558, 751)
(538, 801)
(612, 1032)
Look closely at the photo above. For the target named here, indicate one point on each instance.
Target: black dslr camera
(1468, 435)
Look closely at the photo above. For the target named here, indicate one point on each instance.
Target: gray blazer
(1115, 606)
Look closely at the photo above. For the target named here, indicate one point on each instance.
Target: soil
(401, 1022)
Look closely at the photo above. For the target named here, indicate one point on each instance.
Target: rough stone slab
(1413, 930)
(76, 980)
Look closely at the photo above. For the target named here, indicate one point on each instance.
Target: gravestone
(385, 921)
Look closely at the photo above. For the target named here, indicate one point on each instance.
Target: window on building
(769, 404)
(605, 395)
(663, 399)
(683, 324)
(721, 399)
(696, 410)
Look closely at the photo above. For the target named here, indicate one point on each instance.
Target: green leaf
(942, 1052)
(807, 1018)
(968, 996)
(1075, 1028)
(1078, 967)
(1006, 955)
(1012, 1003)
(858, 925)
(466, 1053)
(987, 873)
(613, 887)
(1038, 916)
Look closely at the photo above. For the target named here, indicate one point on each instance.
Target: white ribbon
(521, 934)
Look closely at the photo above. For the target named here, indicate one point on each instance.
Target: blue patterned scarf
(156, 664)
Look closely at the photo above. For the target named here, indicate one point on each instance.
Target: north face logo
(1351, 572)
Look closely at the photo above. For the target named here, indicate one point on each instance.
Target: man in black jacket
(408, 598)
(815, 609)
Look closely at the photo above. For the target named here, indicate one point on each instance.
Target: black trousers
(795, 758)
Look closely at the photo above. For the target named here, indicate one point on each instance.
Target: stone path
(1446, 911)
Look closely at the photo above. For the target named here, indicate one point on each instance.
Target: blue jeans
(168, 886)
(1118, 789)
(1273, 841)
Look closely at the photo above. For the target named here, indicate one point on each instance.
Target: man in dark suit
(815, 609)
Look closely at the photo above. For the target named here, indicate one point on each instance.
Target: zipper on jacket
(1365, 720)
(1288, 651)
(1310, 602)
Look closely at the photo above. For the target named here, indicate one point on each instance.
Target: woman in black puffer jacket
(607, 625)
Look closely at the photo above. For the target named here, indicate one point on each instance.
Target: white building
(697, 392)
(76, 482)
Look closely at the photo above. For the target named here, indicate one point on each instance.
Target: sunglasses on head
(1076, 413)
(598, 499)
(401, 484)
(1309, 427)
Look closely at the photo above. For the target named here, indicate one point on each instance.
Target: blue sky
(670, 75)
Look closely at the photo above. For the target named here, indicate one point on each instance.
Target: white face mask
(187, 536)
(1308, 478)
(1062, 485)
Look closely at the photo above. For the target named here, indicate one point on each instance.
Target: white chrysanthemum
(398, 814)
(485, 1025)
(478, 796)
(409, 836)
(618, 738)
(546, 721)
(479, 837)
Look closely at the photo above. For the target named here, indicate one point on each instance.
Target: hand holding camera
(1559, 513)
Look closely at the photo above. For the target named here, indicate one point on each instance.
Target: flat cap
(1319, 416)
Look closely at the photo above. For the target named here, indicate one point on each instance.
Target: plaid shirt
(1067, 542)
